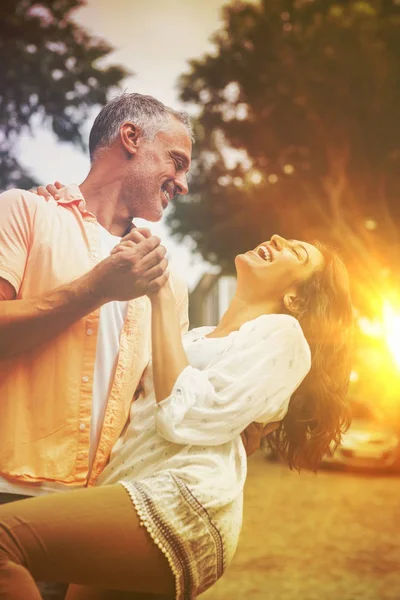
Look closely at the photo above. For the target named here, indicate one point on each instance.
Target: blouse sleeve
(252, 381)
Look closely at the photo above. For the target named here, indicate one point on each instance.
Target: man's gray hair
(150, 116)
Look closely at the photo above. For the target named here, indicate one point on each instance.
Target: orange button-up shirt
(46, 394)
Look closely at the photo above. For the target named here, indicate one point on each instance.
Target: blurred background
(296, 105)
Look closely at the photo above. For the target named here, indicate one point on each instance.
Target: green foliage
(308, 91)
(49, 72)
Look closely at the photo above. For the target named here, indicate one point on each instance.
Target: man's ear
(130, 135)
(292, 303)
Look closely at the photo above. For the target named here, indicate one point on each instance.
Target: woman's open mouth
(265, 253)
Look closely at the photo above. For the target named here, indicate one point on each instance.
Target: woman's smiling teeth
(264, 253)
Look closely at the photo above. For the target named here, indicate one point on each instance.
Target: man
(74, 320)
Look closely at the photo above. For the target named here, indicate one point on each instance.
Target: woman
(166, 516)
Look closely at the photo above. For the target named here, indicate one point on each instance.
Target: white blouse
(232, 381)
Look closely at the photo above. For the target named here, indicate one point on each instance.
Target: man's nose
(181, 185)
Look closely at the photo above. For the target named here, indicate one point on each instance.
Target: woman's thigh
(78, 592)
(90, 537)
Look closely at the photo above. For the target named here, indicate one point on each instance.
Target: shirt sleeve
(17, 212)
(252, 381)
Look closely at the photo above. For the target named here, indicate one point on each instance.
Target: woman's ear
(292, 303)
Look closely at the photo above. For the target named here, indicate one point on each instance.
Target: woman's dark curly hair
(318, 413)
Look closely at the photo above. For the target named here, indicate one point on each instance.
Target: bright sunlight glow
(391, 327)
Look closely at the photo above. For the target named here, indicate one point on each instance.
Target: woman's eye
(297, 253)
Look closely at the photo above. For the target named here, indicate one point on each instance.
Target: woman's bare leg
(90, 537)
(83, 592)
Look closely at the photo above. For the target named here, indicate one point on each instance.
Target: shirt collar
(71, 194)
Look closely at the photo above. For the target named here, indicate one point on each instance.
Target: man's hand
(254, 434)
(50, 191)
(136, 266)
(129, 241)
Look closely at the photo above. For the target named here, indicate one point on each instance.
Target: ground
(330, 536)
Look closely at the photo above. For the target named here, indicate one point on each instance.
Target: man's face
(158, 171)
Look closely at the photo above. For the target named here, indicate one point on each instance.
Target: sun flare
(391, 326)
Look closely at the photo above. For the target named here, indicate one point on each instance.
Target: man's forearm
(137, 265)
(168, 356)
(26, 324)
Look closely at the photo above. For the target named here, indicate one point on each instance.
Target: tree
(49, 73)
(305, 95)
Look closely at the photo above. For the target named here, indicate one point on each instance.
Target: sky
(155, 39)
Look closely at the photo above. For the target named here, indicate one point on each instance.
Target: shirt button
(89, 331)
(95, 255)
(82, 426)
(81, 455)
(85, 378)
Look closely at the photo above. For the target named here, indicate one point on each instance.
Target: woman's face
(277, 268)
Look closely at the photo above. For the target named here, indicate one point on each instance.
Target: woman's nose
(278, 241)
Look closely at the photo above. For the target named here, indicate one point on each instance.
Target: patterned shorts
(194, 543)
